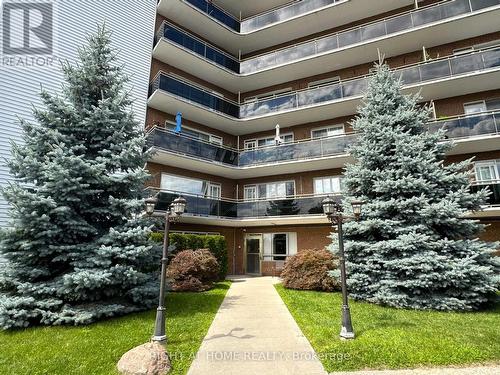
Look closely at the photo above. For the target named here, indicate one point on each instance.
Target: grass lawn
(393, 338)
(95, 349)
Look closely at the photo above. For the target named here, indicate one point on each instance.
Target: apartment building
(264, 93)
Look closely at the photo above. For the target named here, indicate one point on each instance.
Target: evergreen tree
(76, 248)
(414, 247)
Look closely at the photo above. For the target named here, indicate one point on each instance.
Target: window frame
(266, 184)
(323, 178)
(287, 247)
(328, 127)
(256, 141)
(482, 102)
(494, 165)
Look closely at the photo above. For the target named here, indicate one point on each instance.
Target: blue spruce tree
(76, 249)
(414, 246)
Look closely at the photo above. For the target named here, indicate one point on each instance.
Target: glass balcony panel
(336, 145)
(258, 63)
(349, 37)
(354, 87)
(465, 64)
(399, 23)
(326, 44)
(295, 53)
(319, 95)
(455, 8)
(491, 58)
(481, 4)
(435, 70)
(427, 15)
(409, 75)
(372, 31)
(216, 13)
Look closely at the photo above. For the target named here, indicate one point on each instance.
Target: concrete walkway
(480, 370)
(254, 333)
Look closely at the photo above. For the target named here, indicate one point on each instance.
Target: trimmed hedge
(215, 243)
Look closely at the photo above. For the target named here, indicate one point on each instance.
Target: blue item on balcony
(178, 122)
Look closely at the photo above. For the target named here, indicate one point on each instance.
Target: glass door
(253, 245)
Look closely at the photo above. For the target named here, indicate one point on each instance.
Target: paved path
(480, 370)
(253, 333)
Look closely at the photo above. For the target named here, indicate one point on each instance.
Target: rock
(146, 359)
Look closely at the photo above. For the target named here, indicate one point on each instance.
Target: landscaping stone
(147, 359)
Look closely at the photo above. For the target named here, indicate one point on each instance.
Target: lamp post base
(146, 359)
(346, 332)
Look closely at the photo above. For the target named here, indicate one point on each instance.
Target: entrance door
(253, 244)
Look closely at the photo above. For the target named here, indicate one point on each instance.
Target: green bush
(215, 243)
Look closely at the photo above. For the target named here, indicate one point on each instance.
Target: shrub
(215, 243)
(309, 270)
(193, 270)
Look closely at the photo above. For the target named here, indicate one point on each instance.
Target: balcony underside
(254, 222)
(431, 90)
(291, 28)
(462, 146)
(249, 8)
(438, 33)
(236, 172)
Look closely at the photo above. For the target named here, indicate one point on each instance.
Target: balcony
(493, 187)
(274, 25)
(471, 134)
(289, 210)
(293, 210)
(444, 77)
(406, 32)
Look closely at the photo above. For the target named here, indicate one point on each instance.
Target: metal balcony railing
(263, 19)
(459, 127)
(437, 69)
(197, 46)
(359, 34)
(199, 205)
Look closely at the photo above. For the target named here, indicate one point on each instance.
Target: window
(482, 106)
(280, 246)
(188, 185)
(250, 193)
(476, 47)
(325, 81)
(214, 190)
(328, 131)
(250, 144)
(476, 107)
(487, 171)
(188, 132)
(328, 185)
(270, 190)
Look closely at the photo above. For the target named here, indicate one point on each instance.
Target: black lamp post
(333, 211)
(176, 209)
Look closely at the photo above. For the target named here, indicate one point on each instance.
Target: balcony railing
(446, 67)
(199, 205)
(216, 13)
(195, 45)
(460, 127)
(493, 187)
(263, 19)
(380, 28)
